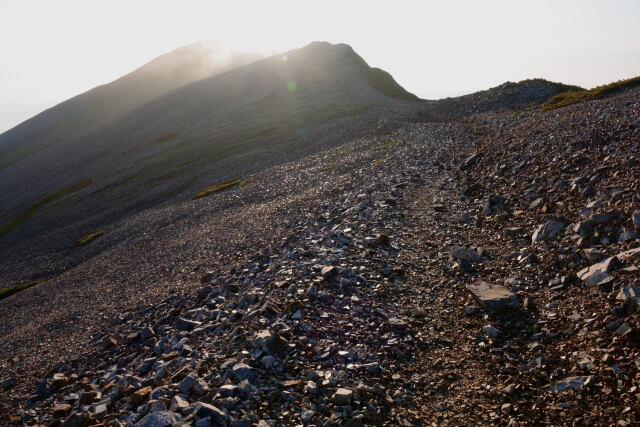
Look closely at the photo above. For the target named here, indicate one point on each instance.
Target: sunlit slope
(224, 127)
(102, 104)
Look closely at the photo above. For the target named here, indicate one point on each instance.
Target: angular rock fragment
(466, 254)
(493, 297)
(342, 396)
(186, 325)
(159, 419)
(628, 292)
(270, 342)
(242, 372)
(571, 383)
(548, 231)
(140, 395)
(599, 273)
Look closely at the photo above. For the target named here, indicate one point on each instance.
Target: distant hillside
(227, 126)
(507, 96)
(104, 103)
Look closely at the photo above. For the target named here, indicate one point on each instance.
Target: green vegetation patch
(88, 238)
(7, 292)
(31, 211)
(573, 96)
(220, 186)
(382, 160)
(391, 144)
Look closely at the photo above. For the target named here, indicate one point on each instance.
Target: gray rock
(627, 234)
(593, 254)
(178, 403)
(584, 228)
(635, 218)
(159, 419)
(8, 383)
(491, 331)
(466, 254)
(242, 371)
(187, 384)
(493, 297)
(628, 292)
(548, 231)
(598, 272)
(185, 324)
(605, 217)
(205, 410)
(204, 422)
(571, 383)
(146, 333)
(270, 342)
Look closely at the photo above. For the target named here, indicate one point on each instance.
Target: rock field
(481, 270)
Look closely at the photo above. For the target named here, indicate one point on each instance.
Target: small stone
(628, 292)
(140, 395)
(466, 254)
(9, 383)
(59, 380)
(627, 234)
(243, 371)
(312, 291)
(228, 390)
(270, 342)
(342, 397)
(571, 383)
(61, 410)
(186, 324)
(490, 331)
(159, 419)
(509, 389)
(268, 361)
(178, 403)
(187, 384)
(312, 388)
(328, 271)
(547, 231)
(635, 218)
(595, 273)
(205, 410)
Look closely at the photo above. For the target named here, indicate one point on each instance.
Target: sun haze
(52, 51)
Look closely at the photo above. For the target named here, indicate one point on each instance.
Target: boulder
(493, 297)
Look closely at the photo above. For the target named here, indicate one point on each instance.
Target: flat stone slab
(493, 297)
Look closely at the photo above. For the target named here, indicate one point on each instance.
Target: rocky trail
(478, 271)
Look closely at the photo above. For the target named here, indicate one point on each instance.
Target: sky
(53, 50)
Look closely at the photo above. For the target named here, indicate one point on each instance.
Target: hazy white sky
(53, 50)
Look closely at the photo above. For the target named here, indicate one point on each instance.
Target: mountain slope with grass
(100, 105)
(177, 147)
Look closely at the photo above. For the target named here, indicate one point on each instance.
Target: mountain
(104, 103)
(227, 126)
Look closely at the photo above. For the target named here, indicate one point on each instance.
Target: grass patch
(88, 238)
(382, 160)
(31, 211)
(391, 144)
(574, 96)
(7, 292)
(220, 186)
